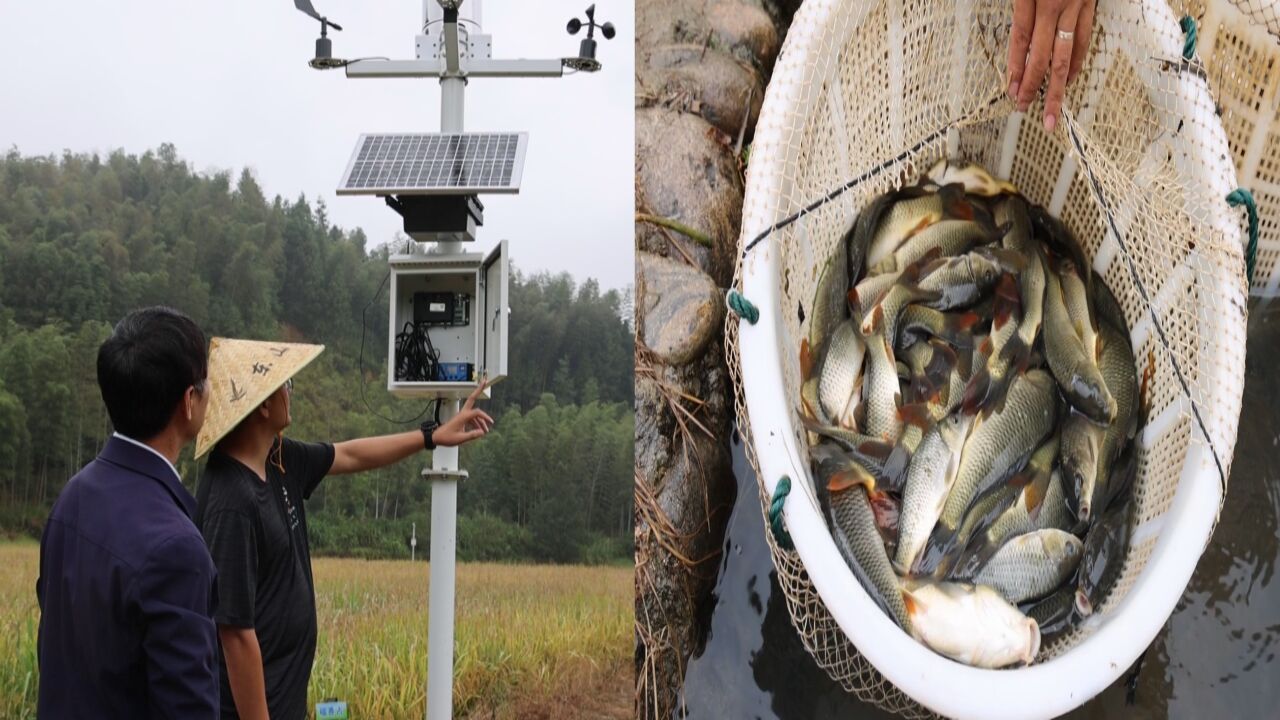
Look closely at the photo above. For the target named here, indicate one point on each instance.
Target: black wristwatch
(428, 428)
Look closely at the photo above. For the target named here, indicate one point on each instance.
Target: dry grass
(531, 641)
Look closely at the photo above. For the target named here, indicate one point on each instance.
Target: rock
(687, 486)
(746, 31)
(684, 173)
(682, 308)
(725, 92)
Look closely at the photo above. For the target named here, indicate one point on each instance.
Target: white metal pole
(444, 537)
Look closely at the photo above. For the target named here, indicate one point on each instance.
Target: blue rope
(743, 307)
(1239, 197)
(1189, 27)
(780, 492)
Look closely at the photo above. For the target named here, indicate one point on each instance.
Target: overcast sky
(227, 83)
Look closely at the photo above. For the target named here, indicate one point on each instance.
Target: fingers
(1084, 32)
(1024, 17)
(1041, 50)
(475, 394)
(1060, 64)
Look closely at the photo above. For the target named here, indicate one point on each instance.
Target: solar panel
(435, 164)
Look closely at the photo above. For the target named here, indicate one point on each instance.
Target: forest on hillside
(84, 239)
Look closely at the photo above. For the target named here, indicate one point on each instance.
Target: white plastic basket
(865, 94)
(1239, 41)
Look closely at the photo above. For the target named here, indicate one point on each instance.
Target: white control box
(449, 322)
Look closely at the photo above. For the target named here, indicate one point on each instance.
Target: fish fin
(975, 391)
(955, 205)
(997, 391)
(855, 305)
(909, 601)
(895, 466)
(957, 328)
(916, 414)
(1009, 260)
(852, 476)
(921, 387)
(806, 360)
(877, 319)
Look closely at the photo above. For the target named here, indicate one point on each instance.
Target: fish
(1055, 614)
(1119, 371)
(948, 237)
(1081, 458)
(962, 280)
(1032, 565)
(1105, 548)
(919, 321)
(1076, 370)
(880, 389)
(853, 528)
(932, 470)
(841, 370)
(1037, 503)
(1090, 449)
(1105, 303)
(975, 179)
(1079, 307)
(830, 306)
(992, 375)
(1019, 239)
(996, 448)
(903, 213)
(867, 452)
(970, 624)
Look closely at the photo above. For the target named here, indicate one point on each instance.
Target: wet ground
(1215, 658)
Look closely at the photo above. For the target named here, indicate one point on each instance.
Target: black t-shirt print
(257, 535)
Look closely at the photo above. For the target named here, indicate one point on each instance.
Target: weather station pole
(433, 182)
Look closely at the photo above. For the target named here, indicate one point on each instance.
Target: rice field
(531, 641)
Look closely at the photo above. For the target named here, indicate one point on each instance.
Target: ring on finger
(1066, 35)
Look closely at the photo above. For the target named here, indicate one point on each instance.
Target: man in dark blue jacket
(126, 585)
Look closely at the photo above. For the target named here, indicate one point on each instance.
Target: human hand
(1048, 36)
(467, 425)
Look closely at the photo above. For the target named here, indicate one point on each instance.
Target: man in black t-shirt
(252, 516)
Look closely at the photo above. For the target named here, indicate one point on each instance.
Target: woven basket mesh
(867, 94)
(1239, 41)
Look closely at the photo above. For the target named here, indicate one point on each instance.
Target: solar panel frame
(435, 164)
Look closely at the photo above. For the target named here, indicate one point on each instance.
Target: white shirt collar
(151, 450)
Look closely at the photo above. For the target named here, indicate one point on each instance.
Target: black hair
(145, 367)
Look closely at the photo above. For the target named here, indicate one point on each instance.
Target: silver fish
(853, 527)
(1030, 566)
(1075, 369)
(881, 392)
(1019, 239)
(949, 237)
(932, 470)
(841, 371)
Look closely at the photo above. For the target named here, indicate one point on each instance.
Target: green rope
(1239, 197)
(780, 492)
(743, 307)
(1188, 27)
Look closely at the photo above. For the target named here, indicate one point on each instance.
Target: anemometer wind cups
(242, 374)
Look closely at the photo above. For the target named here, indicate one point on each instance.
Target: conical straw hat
(242, 374)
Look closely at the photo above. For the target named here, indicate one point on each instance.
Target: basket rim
(937, 683)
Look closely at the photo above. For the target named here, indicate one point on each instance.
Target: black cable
(364, 324)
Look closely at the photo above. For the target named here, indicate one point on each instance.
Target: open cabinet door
(495, 274)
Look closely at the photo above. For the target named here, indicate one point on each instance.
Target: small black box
(434, 308)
